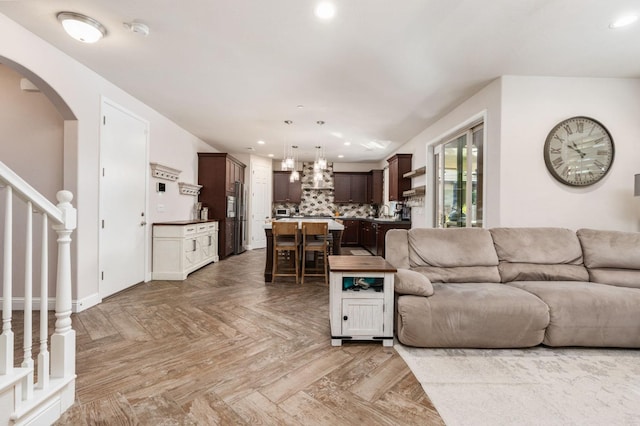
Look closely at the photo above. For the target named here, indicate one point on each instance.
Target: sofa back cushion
(612, 257)
(539, 254)
(454, 254)
(396, 250)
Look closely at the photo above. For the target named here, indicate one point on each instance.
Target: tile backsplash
(319, 202)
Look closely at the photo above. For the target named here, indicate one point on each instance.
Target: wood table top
(360, 264)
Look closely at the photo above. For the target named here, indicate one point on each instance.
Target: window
(459, 200)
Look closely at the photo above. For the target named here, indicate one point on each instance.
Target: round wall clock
(579, 151)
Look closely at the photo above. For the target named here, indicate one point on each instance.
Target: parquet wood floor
(224, 348)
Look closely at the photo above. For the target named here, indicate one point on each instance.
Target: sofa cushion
(397, 248)
(453, 250)
(617, 277)
(412, 282)
(472, 315)
(460, 274)
(539, 254)
(588, 314)
(535, 272)
(610, 249)
(613, 257)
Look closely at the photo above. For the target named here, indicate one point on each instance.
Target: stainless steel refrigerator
(240, 219)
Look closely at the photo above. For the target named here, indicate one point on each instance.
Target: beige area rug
(360, 252)
(538, 386)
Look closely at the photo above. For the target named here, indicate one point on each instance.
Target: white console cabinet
(180, 248)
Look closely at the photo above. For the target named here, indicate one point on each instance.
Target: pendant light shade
(81, 27)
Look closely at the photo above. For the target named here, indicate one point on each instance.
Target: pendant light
(288, 162)
(321, 161)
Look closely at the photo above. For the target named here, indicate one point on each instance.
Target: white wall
(531, 107)
(83, 90)
(31, 144)
(520, 112)
(487, 102)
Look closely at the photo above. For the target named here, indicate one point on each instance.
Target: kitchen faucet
(382, 210)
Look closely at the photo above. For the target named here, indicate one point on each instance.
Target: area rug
(538, 386)
(360, 252)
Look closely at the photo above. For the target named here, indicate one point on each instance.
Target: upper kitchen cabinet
(375, 181)
(350, 187)
(285, 191)
(399, 164)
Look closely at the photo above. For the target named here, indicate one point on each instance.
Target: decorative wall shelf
(164, 172)
(417, 172)
(417, 191)
(189, 188)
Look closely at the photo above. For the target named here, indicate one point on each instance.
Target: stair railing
(55, 370)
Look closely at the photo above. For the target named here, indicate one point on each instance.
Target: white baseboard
(80, 305)
(17, 303)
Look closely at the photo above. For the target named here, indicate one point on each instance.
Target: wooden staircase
(23, 400)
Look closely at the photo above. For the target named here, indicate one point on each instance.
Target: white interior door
(123, 191)
(260, 203)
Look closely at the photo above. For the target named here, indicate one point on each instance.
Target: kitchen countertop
(333, 225)
(185, 222)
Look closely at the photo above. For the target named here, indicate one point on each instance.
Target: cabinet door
(230, 180)
(350, 234)
(229, 233)
(377, 182)
(362, 317)
(359, 188)
(342, 187)
(393, 180)
(280, 187)
(191, 252)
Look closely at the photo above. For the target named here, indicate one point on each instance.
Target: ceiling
(232, 71)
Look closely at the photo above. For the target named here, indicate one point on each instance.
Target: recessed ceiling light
(325, 10)
(269, 155)
(347, 143)
(340, 156)
(81, 27)
(260, 142)
(300, 106)
(623, 21)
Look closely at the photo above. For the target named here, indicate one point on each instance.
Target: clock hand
(576, 149)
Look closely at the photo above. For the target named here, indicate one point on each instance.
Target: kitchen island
(335, 229)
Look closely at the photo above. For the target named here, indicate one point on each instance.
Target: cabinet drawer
(202, 228)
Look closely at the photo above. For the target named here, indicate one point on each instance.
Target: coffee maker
(406, 213)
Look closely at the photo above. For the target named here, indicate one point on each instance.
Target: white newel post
(63, 340)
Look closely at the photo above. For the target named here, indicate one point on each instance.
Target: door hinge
(103, 172)
(104, 119)
(102, 223)
(102, 275)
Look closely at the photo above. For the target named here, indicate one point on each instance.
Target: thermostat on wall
(161, 187)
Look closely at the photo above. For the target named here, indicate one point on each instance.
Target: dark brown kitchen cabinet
(350, 187)
(379, 231)
(399, 164)
(366, 235)
(375, 181)
(218, 173)
(351, 233)
(285, 191)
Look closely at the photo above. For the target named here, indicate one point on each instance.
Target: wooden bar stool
(285, 240)
(314, 238)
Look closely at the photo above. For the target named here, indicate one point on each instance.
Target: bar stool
(285, 240)
(314, 238)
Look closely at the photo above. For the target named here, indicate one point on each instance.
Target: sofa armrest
(412, 282)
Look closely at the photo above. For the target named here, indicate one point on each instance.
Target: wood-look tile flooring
(224, 348)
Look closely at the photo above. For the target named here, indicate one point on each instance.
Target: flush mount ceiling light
(81, 27)
(623, 21)
(325, 10)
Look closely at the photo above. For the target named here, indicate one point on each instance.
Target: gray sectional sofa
(516, 287)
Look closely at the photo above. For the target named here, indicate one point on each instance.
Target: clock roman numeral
(557, 162)
(567, 129)
(602, 152)
(599, 164)
(558, 138)
(580, 127)
(565, 172)
(554, 150)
